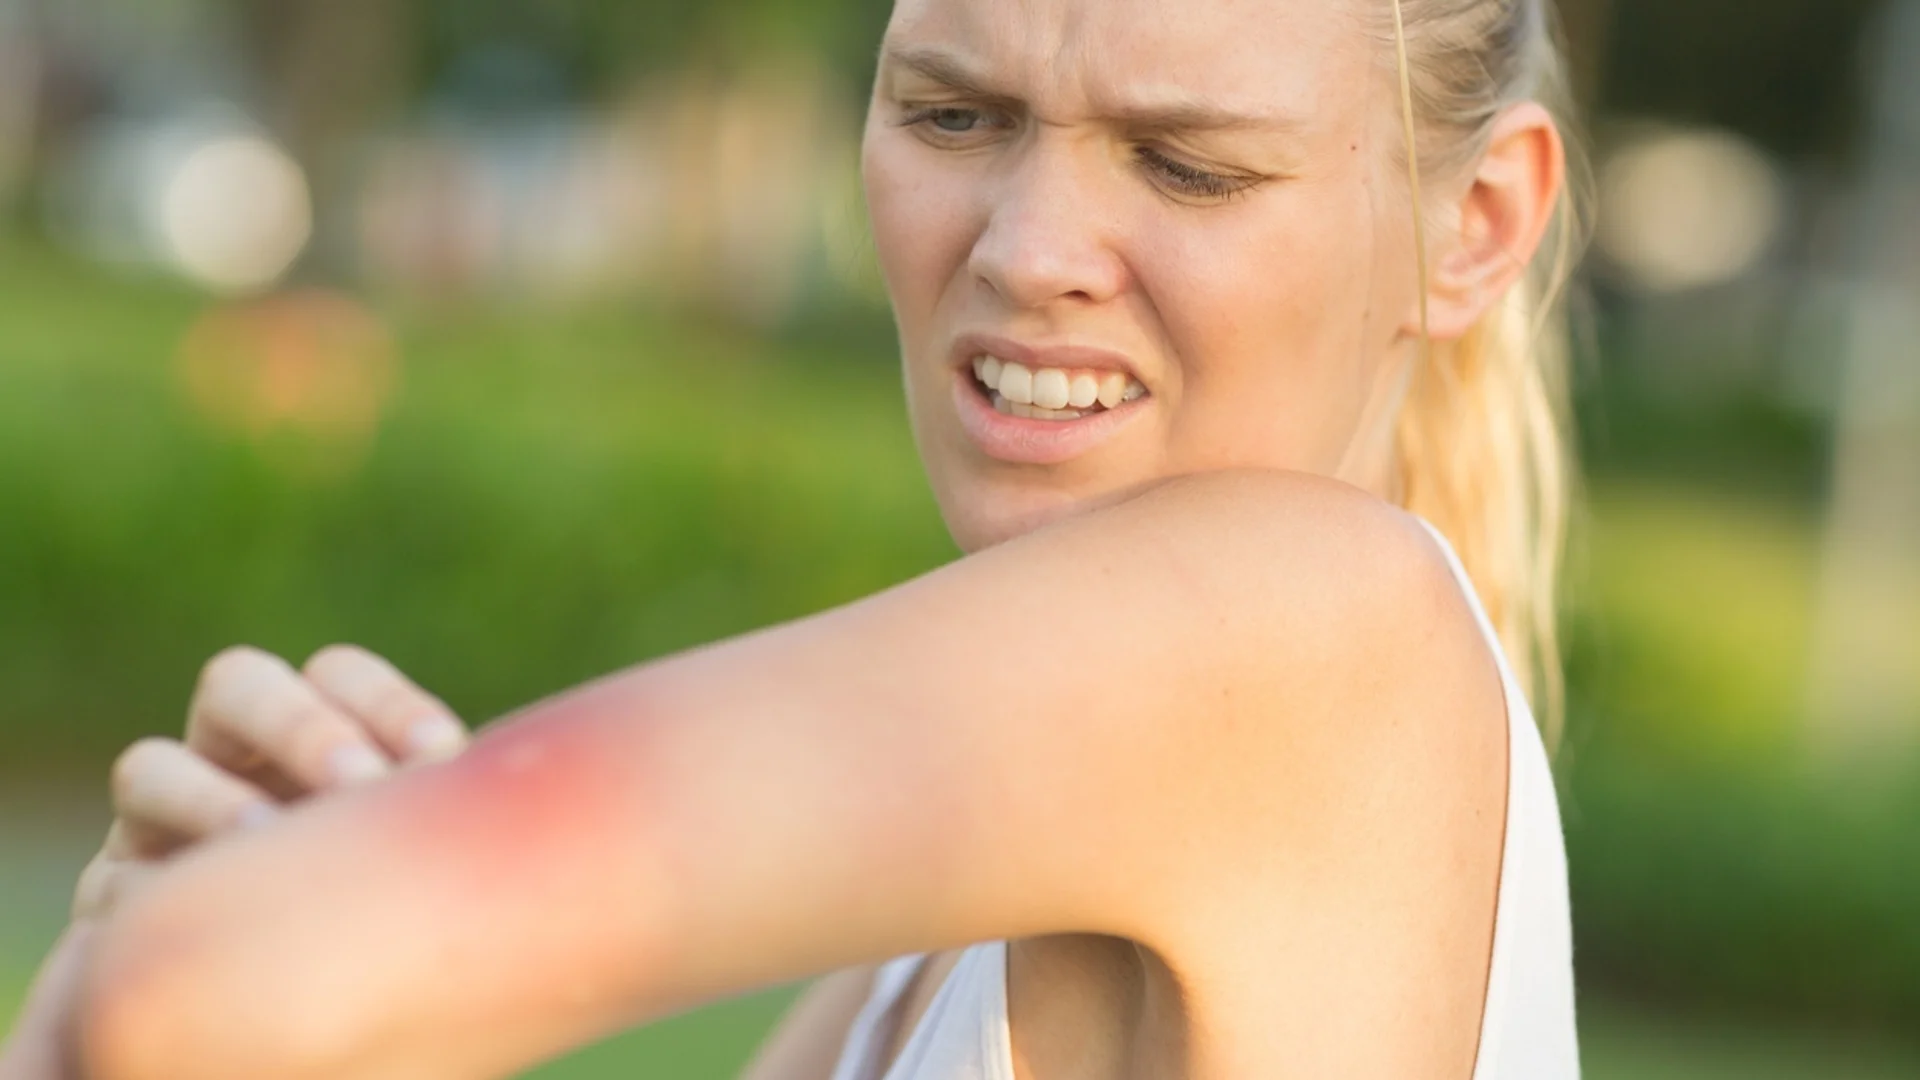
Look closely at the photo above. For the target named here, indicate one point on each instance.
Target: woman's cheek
(1262, 313)
(920, 210)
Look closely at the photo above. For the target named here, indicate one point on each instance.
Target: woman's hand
(260, 735)
(39, 1047)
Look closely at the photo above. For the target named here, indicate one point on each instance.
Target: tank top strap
(964, 1032)
(1460, 575)
(860, 1053)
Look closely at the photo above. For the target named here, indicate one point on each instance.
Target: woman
(1205, 763)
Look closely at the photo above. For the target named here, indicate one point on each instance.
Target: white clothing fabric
(1527, 1027)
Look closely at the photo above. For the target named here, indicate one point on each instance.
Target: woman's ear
(1503, 215)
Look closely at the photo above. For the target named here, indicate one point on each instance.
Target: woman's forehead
(1251, 57)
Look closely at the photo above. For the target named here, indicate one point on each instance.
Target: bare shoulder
(1314, 567)
(1357, 835)
(1306, 535)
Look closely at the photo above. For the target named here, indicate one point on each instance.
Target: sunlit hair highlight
(1482, 440)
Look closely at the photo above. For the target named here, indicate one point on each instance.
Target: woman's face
(1165, 231)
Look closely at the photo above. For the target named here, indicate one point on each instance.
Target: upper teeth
(1054, 388)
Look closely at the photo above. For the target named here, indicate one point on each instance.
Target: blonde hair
(1482, 440)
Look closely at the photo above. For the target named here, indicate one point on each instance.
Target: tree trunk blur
(1866, 678)
(327, 70)
(1587, 24)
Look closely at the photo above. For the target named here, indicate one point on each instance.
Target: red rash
(550, 796)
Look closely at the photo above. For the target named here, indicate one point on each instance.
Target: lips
(1052, 393)
(1042, 406)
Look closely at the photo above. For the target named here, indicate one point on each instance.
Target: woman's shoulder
(1328, 610)
(1297, 536)
(1311, 644)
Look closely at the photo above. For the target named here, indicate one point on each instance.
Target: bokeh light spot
(1688, 209)
(313, 363)
(237, 213)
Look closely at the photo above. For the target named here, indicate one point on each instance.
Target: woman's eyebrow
(1167, 111)
(941, 67)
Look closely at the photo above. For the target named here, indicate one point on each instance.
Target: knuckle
(282, 707)
(336, 659)
(90, 893)
(232, 676)
(116, 888)
(136, 763)
(310, 731)
(230, 663)
(397, 700)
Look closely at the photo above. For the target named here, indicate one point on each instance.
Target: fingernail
(356, 763)
(436, 737)
(258, 814)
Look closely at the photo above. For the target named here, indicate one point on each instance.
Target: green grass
(712, 1043)
(546, 499)
(1695, 607)
(1620, 1043)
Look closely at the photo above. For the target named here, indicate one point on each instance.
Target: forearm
(711, 824)
(597, 862)
(365, 935)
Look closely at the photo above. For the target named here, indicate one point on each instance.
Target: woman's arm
(1151, 721)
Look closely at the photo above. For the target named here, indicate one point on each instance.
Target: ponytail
(1482, 440)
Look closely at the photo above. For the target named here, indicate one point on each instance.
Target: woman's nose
(1049, 234)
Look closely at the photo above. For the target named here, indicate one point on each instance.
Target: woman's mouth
(1055, 394)
(1044, 415)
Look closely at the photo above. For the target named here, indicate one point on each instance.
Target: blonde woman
(1210, 760)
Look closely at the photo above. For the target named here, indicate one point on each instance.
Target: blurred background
(522, 340)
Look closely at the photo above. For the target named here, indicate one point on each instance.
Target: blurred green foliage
(548, 500)
(552, 496)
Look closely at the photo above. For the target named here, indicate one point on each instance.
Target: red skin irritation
(553, 784)
(507, 892)
(542, 879)
(537, 840)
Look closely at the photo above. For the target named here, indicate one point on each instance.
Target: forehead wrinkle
(1151, 108)
(1148, 66)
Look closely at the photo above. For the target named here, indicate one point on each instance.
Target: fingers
(252, 709)
(410, 723)
(165, 797)
(106, 883)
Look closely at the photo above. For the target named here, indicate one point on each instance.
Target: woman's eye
(956, 121)
(948, 120)
(1190, 180)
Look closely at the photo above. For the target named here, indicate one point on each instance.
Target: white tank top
(1526, 1029)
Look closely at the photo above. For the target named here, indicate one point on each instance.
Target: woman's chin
(987, 513)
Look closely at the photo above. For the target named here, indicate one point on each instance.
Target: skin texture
(1203, 726)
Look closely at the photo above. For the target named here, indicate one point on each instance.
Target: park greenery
(552, 495)
(540, 494)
